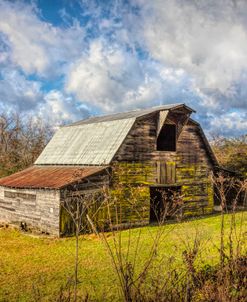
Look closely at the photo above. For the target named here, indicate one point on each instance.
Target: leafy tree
(231, 153)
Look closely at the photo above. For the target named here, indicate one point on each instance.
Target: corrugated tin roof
(51, 177)
(93, 141)
(90, 144)
(126, 115)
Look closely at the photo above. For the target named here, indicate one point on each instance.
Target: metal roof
(90, 144)
(130, 114)
(50, 177)
(94, 141)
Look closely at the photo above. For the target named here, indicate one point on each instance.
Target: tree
(21, 141)
(231, 153)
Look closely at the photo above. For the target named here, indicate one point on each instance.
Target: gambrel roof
(96, 140)
(130, 114)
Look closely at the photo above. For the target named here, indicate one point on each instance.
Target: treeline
(21, 141)
(231, 153)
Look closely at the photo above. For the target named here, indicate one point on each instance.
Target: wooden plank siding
(87, 189)
(188, 167)
(38, 208)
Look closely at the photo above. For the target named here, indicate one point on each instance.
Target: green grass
(38, 266)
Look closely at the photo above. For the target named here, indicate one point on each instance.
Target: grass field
(32, 267)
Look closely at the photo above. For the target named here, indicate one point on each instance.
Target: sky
(67, 60)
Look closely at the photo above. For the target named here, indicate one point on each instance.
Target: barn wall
(188, 167)
(111, 201)
(91, 191)
(130, 191)
(39, 209)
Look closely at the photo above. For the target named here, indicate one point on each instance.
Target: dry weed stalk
(137, 279)
(77, 205)
(125, 257)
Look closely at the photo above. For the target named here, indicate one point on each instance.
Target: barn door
(164, 202)
(166, 172)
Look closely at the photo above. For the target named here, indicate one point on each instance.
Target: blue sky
(65, 60)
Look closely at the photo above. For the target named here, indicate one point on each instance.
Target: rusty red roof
(52, 177)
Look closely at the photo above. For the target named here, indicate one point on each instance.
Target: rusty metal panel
(52, 177)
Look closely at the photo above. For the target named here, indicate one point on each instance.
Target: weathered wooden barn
(160, 149)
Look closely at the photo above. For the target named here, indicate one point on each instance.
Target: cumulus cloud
(31, 46)
(18, 92)
(206, 39)
(22, 95)
(37, 46)
(109, 77)
(58, 108)
(122, 55)
(229, 123)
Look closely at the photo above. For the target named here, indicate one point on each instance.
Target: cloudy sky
(65, 60)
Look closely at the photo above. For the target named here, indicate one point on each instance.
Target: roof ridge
(124, 115)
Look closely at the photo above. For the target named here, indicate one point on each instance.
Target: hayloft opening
(166, 140)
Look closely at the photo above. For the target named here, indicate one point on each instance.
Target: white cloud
(37, 46)
(142, 54)
(58, 108)
(232, 123)
(29, 45)
(18, 92)
(22, 95)
(110, 78)
(200, 50)
(208, 40)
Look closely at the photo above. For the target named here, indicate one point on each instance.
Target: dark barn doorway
(164, 202)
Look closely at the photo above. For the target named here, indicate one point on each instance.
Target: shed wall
(38, 208)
